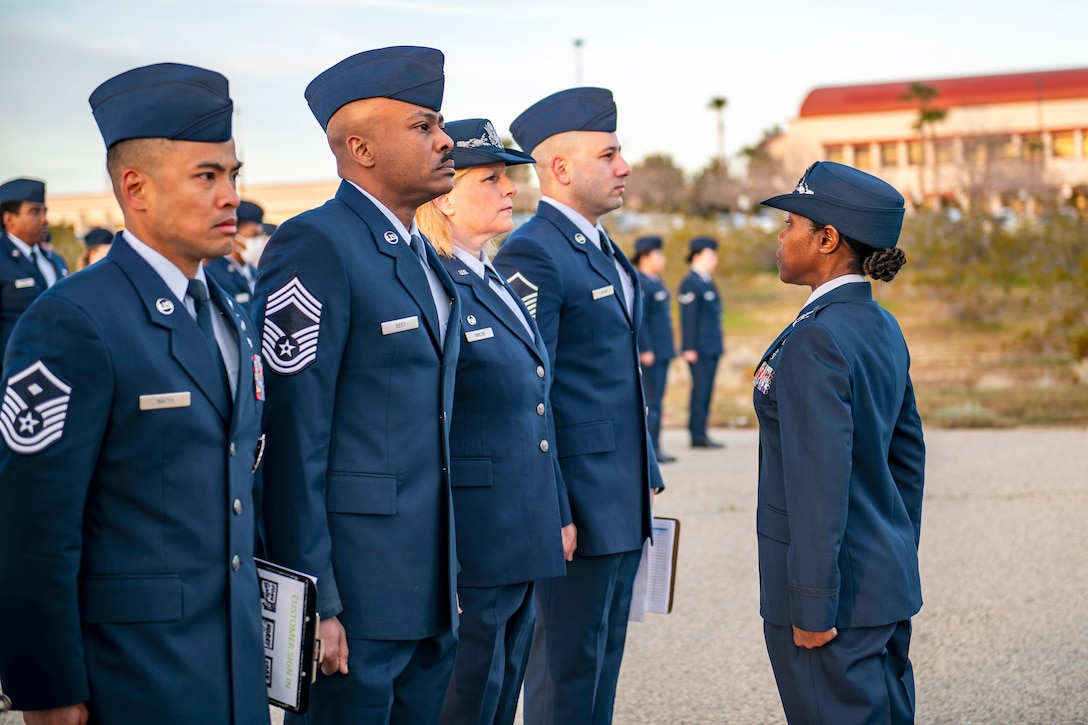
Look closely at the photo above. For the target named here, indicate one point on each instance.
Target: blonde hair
(434, 224)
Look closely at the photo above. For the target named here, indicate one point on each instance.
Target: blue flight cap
(165, 100)
(97, 236)
(23, 190)
(698, 244)
(575, 109)
(861, 206)
(250, 212)
(404, 73)
(647, 244)
(476, 142)
(267, 229)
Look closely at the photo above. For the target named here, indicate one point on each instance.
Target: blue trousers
(578, 643)
(862, 677)
(494, 637)
(653, 388)
(702, 390)
(388, 682)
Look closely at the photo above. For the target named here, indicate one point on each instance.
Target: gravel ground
(1004, 575)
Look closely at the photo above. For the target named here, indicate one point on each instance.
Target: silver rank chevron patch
(292, 321)
(526, 290)
(34, 410)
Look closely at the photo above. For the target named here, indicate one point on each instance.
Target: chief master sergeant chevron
(355, 308)
(588, 305)
(130, 426)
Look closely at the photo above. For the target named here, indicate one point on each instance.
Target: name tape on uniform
(24, 283)
(402, 325)
(158, 401)
(607, 291)
(477, 335)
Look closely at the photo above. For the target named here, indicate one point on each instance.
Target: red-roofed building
(1015, 132)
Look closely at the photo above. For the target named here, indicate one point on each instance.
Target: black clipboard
(292, 653)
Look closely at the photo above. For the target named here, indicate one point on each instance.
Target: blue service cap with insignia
(250, 212)
(404, 73)
(698, 244)
(97, 236)
(575, 109)
(476, 142)
(31, 190)
(165, 100)
(861, 206)
(647, 244)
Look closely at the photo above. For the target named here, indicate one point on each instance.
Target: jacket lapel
(598, 262)
(187, 344)
(408, 270)
(481, 291)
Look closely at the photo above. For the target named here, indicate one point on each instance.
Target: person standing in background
(97, 242)
(656, 345)
(27, 268)
(237, 271)
(702, 343)
(841, 462)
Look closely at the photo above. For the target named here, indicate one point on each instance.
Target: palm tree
(928, 117)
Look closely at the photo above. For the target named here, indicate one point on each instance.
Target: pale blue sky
(663, 60)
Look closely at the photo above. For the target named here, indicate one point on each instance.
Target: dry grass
(965, 375)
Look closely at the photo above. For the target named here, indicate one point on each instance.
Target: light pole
(578, 43)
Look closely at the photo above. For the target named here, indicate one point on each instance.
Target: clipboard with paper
(292, 652)
(655, 581)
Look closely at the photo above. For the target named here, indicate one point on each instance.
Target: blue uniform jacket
(655, 333)
(502, 467)
(356, 477)
(841, 469)
(227, 276)
(700, 316)
(605, 455)
(120, 528)
(20, 284)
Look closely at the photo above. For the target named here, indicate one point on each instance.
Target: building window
(946, 151)
(914, 153)
(863, 156)
(1063, 145)
(834, 153)
(889, 154)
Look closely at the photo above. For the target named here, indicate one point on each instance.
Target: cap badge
(489, 138)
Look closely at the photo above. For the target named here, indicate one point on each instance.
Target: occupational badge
(34, 409)
(292, 321)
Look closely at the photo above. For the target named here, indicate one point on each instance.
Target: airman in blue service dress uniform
(96, 244)
(656, 345)
(503, 468)
(701, 341)
(841, 462)
(130, 427)
(587, 302)
(235, 272)
(26, 269)
(361, 332)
